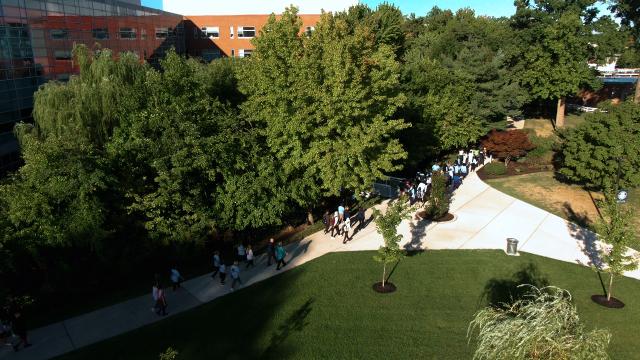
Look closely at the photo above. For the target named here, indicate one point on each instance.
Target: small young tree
(508, 144)
(543, 326)
(617, 232)
(387, 225)
(439, 199)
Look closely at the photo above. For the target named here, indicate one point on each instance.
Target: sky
(419, 7)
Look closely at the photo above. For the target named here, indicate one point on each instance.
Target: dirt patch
(612, 304)
(387, 288)
(569, 201)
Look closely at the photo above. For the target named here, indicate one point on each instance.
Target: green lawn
(326, 309)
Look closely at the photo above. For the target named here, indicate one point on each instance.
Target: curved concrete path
(485, 217)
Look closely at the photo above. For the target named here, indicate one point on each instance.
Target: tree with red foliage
(507, 144)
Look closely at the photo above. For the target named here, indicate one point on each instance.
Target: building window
(231, 31)
(211, 31)
(210, 54)
(244, 53)
(59, 34)
(143, 34)
(127, 33)
(233, 53)
(100, 33)
(246, 31)
(162, 33)
(62, 54)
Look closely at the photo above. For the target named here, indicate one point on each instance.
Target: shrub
(508, 144)
(437, 204)
(495, 169)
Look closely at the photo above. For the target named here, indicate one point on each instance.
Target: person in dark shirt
(20, 329)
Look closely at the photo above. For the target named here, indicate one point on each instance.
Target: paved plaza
(484, 219)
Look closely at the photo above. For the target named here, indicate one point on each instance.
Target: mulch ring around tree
(388, 287)
(612, 304)
(422, 215)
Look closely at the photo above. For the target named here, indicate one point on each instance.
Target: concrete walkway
(485, 217)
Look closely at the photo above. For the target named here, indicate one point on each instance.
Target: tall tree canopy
(326, 103)
(456, 80)
(554, 42)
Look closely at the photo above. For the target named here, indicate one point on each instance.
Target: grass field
(326, 309)
(544, 127)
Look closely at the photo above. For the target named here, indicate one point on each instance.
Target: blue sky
(421, 7)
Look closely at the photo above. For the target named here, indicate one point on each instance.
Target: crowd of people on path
(466, 162)
(13, 331)
(340, 223)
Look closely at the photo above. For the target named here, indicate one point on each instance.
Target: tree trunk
(506, 161)
(384, 273)
(310, 217)
(610, 287)
(636, 99)
(560, 113)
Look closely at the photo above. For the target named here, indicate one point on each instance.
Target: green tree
(629, 12)
(616, 230)
(456, 80)
(387, 225)
(593, 152)
(437, 204)
(543, 325)
(554, 41)
(325, 104)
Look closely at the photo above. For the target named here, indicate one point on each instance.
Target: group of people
(13, 332)
(341, 222)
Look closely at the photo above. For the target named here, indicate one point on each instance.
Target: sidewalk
(485, 217)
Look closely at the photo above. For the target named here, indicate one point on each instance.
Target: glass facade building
(37, 37)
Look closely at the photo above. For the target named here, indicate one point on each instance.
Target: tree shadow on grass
(503, 292)
(582, 219)
(296, 322)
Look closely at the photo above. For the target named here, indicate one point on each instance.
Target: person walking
(326, 219)
(347, 229)
(154, 295)
(341, 212)
(216, 263)
(241, 253)
(336, 224)
(249, 257)
(223, 273)
(235, 275)
(176, 278)
(161, 301)
(280, 254)
(19, 326)
(271, 252)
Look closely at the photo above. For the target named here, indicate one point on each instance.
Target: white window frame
(132, 31)
(245, 52)
(242, 29)
(162, 30)
(211, 32)
(231, 31)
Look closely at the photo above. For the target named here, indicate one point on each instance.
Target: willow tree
(544, 325)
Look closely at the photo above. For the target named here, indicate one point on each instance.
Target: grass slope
(326, 309)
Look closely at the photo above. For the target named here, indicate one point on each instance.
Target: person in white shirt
(422, 190)
(249, 257)
(176, 278)
(347, 229)
(235, 275)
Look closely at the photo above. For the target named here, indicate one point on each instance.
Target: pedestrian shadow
(588, 241)
(300, 249)
(504, 292)
(296, 322)
(362, 225)
(418, 232)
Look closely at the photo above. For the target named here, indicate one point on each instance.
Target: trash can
(512, 246)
